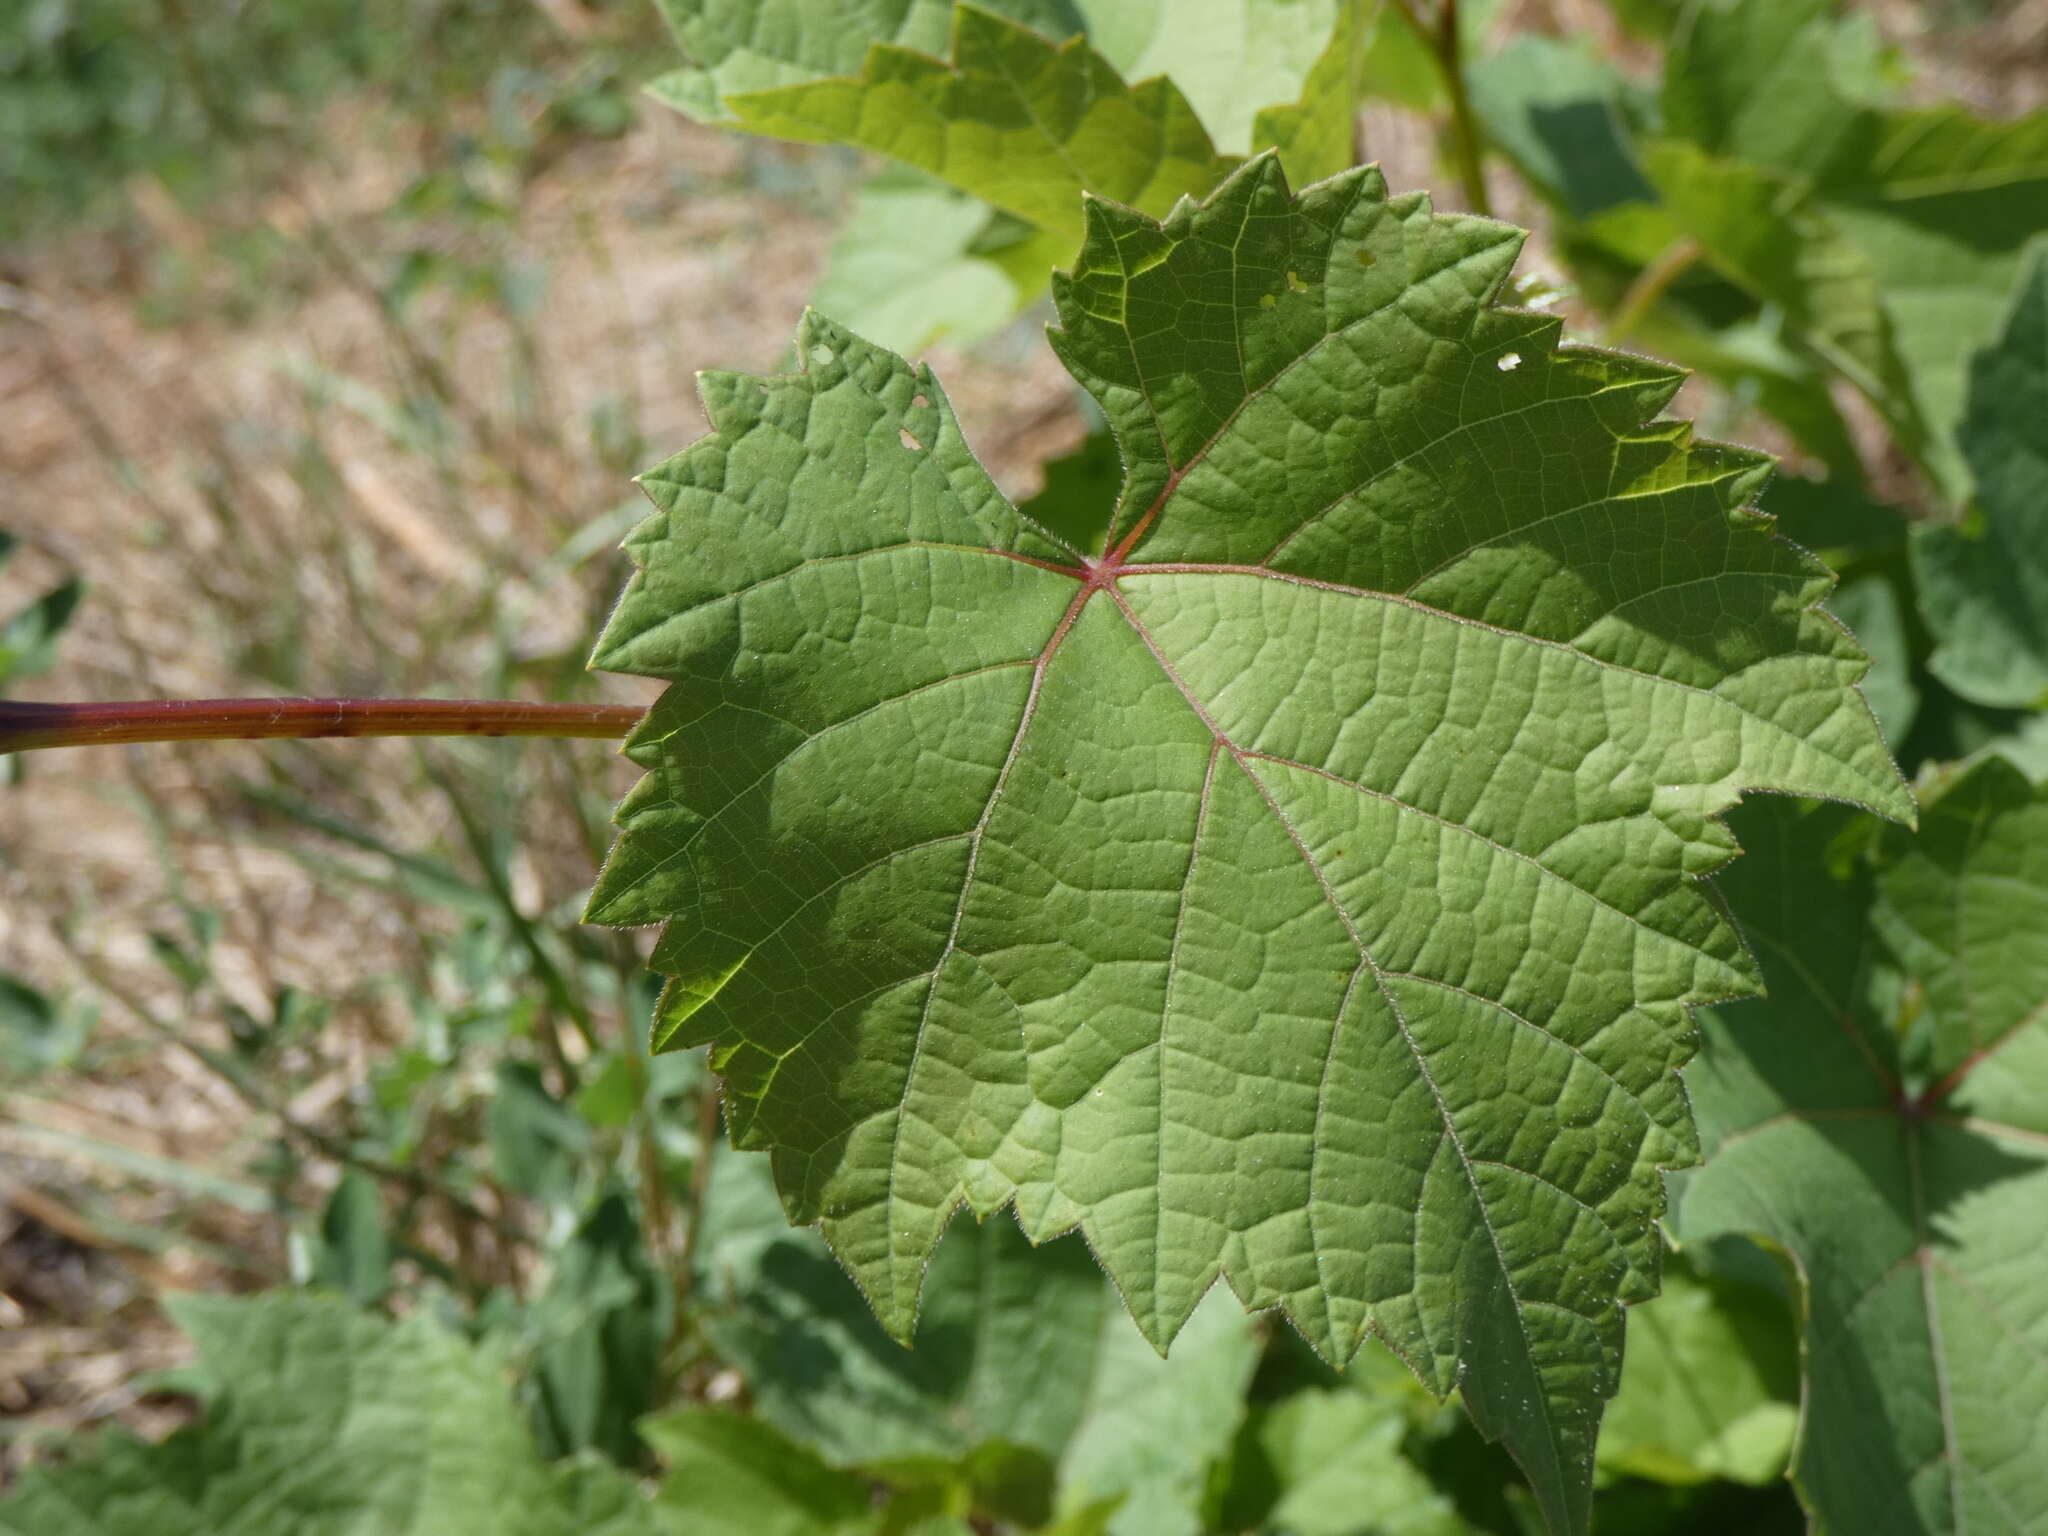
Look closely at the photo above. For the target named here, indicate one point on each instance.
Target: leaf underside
(1308, 891)
(1906, 1170)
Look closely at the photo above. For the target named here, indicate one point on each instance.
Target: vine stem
(25, 727)
(1650, 286)
(1444, 39)
(1464, 124)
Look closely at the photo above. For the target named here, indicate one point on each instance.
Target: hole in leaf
(1508, 362)
(919, 401)
(909, 441)
(821, 354)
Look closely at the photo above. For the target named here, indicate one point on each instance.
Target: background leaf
(1984, 590)
(1889, 235)
(326, 1420)
(1879, 1119)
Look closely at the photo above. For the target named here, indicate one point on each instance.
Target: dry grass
(255, 514)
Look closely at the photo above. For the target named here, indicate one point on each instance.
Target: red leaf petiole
(25, 726)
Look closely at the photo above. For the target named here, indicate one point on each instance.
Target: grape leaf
(328, 1422)
(1982, 593)
(1306, 892)
(1229, 58)
(1900, 1160)
(1026, 116)
(1010, 116)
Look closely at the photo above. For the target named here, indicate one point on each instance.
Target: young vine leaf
(1305, 891)
(1881, 1118)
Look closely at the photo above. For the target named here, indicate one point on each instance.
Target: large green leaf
(1985, 593)
(328, 1422)
(1308, 891)
(1881, 1118)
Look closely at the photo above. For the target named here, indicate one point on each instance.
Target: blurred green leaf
(1709, 1386)
(904, 268)
(1870, 606)
(734, 1476)
(28, 640)
(352, 1254)
(1560, 112)
(604, 1325)
(327, 1422)
(39, 1033)
(1890, 236)
(1080, 491)
(1006, 1342)
(1329, 1463)
(535, 1139)
(1152, 1429)
(1984, 589)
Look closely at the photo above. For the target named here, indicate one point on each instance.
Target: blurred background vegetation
(331, 334)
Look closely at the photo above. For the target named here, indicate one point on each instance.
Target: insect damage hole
(1508, 362)
(909, 441)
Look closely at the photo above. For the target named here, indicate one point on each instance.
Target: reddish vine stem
(24, 727)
